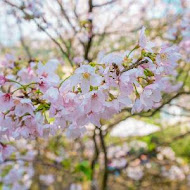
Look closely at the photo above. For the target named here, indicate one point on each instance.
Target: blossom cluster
(17, 172)
(35, 102)
(16, 175)
(179, 32)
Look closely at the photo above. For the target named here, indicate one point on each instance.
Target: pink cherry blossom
(143, 42)
(94, 91)
(5, 151)
(27, 75)
(75, 131)
(124, 101)
(150, 95)
(78, 60)
(9, 61)
(137, 106)
(111, 58)
(52, 94)
(46, 74)
(93, 101)
(168, 55)
(23, 106)
(6, 102)
(86, 77)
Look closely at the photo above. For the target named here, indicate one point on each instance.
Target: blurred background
(141, 151)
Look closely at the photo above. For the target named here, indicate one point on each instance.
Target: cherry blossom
(168, 55)
(86, 77)
(143, 42)
(6, 101)
(5, 151)
(23, 106)
(9, 61)
(38, 103)
(137, 107)
(46, 74)
(151, 95)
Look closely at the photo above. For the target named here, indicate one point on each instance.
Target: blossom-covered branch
(35, 102)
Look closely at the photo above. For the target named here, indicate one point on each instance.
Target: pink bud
(3, 80)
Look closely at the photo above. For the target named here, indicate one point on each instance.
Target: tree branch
(55, 41)
(26, 48)
(135, 65)
(106, 172)
(90, 32)
(106, 3)
(42, 29)
(94, 160)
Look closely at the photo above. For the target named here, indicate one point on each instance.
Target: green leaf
(6, 170)
(148, 73)
(43, 107)
(93, 64)
(84, 167)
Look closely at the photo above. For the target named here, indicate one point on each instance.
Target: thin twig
(135, 65)
(104, 4)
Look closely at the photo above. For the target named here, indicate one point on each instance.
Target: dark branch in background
(65, 15)
(106, 3)
(55, 165)
(180, 106)
(13, 5)
(55, 41)
(176, 138)
(106, 31)
(106, 172)
(90, 31)
(75, 12)
(142, 114)
(25, 47)
(166, 102)
(42, 29)
(94, 160)
(63, 42)
(78, 21)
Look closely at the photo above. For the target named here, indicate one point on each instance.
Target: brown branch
(167, 102)
(65, 15)
(135, 65)
(143, 114)
(180, 106)
(42, 29)
(90, 32)
(12, 4)
(178, 137)
(106, 172)
(106, 3)
(55, 41)
(25, 47)
(94, 160)
(111, 22)
(55, 165)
